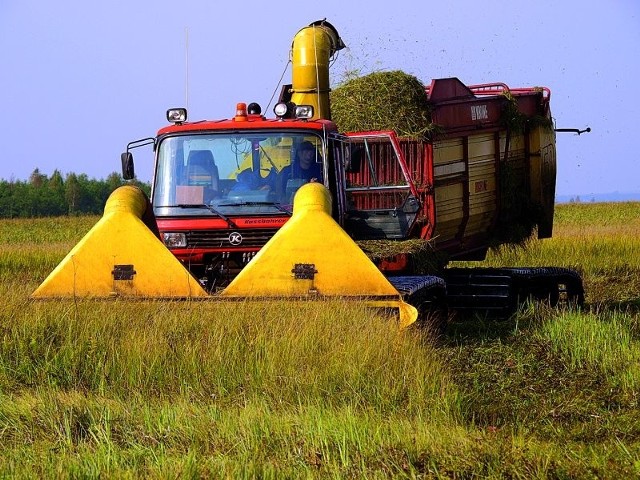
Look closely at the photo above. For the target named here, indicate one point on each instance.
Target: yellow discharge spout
(312, 257)
(120, 256)
(312, 49)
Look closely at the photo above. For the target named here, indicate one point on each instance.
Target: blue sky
(80, 80)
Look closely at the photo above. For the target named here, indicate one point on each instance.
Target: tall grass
(31, 248)
(222, 389)
(288, 390)
(604, 344)
(585, 235)
(43, 231)
(285, 355)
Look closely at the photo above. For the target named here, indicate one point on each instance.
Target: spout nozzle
(336, 42)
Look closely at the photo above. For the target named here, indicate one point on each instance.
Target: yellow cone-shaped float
(311, 256)
(120, 256)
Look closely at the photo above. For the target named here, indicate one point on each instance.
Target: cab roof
(252, 122)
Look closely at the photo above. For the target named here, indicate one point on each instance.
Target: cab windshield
(227, 174)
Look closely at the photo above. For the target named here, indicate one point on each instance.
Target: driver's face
(306, 158)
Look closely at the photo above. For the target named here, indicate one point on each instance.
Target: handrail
(499, 88)
(489, 88)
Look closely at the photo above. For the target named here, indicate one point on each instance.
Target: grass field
(209, 390)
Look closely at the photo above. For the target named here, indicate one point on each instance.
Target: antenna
(186, 67)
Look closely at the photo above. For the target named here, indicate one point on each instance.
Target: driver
(304, 168)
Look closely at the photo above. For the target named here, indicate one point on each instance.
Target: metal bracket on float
(123, 272)
(304, 271)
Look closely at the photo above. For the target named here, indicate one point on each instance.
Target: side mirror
(128, 172)
(353, 160)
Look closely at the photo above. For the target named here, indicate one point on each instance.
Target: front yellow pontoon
(120, 256)
(312, 257)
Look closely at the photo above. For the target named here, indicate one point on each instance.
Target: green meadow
(207, 389)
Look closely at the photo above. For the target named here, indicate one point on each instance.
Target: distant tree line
(44, 196)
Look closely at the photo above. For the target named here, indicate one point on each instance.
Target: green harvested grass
(424, 257)
(382, 101)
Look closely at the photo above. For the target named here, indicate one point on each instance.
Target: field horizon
(602, 197)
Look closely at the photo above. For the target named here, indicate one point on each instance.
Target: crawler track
(501, 290)
(496, 291)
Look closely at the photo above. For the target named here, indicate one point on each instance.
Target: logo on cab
(235, 238)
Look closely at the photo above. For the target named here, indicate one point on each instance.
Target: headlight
(177, 115)
(282, 110)
(174, 239)
(304, 111)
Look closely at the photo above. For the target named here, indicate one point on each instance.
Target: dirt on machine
(291, 207)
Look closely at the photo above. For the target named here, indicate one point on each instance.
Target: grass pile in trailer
(382, 101)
